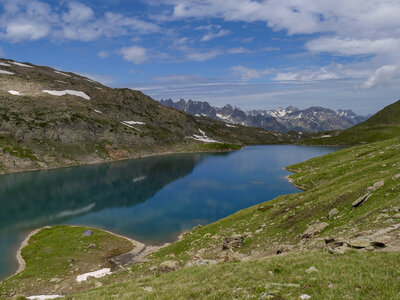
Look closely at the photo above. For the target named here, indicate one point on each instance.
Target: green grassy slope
(383, 125)
(332, 181)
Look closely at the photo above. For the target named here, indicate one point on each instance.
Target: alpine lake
(151, 200)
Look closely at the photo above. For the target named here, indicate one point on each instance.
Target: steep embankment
(383, 125)
(52, 119)
(345, 225)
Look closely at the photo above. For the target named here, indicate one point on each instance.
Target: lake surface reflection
(151, 199)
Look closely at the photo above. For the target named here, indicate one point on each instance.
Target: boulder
(87, 233)
(312, 270)
(314, 230)
(168, 265)
(232, 242)
(376, 186)
(397, 176)
(361, 200)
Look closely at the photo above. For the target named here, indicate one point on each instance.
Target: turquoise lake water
(151, 200)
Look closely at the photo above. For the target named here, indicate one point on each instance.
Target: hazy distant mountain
(312, 119)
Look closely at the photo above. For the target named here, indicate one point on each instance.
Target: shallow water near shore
(151, 200)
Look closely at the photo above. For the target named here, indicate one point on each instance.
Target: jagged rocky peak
(313, 119)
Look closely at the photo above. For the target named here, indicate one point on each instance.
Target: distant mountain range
(313, 119)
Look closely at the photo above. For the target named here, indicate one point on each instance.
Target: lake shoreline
(91, 163)
(137, 254)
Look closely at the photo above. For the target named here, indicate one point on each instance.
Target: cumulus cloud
(24, 30)
(382, 76)
(345, 28)
(249, 73)
(135, 54)
(22, 20)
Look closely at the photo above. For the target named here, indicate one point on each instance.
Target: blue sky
(252, 54)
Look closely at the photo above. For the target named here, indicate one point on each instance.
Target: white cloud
(33, 20)
(238, 50)
(249, 73)
(382, 76)
(213, 35)
(22, 30)
(103, 54)
(345, 28)
(135, 54)
(348, 46)
(202, 56)
(78, 13)
(306, 76)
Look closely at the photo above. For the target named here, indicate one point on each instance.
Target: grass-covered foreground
(355, 275)
(264, 251)
(55, 256)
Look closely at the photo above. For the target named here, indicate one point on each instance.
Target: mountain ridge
(312, 119)
(51, 118)
(385, 124)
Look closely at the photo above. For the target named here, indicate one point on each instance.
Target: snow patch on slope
(61, 73)
(4, 64)
(134, 123)
(20, 64)
(96, 274)
(69, 92)
(44, 297)
(203, 138)
(6, 72)
(15, 93)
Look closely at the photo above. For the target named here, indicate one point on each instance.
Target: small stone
(312, 270)
(201, 262)
(395, 177)
(87, 233)
(92, 245)
(148, 289)
(153, 268)
(305, 296)
(266, 295)
(338, 250)
(332, 212)
(55, 279)
(168, 265)
(98, 284)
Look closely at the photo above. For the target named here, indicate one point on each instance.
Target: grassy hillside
(266, 249)
(95, 123)
(383, 125)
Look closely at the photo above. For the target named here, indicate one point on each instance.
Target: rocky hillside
(385, 124)
(50, 118)
(313, 119)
